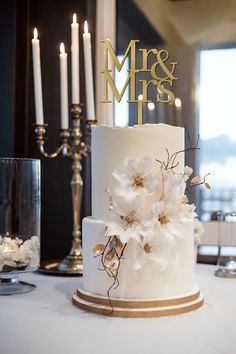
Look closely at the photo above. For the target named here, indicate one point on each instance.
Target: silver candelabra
(72, 146)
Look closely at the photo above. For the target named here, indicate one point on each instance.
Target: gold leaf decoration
(110, 255)
(99, 248)
(119, 244)
(112, 265)
(195, 180)
(207, 185)
(114, 271)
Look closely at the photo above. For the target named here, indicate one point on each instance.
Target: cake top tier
(112, 144)
(159, 126)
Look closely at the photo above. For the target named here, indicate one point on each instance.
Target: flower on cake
(157, 249)
(173, 185)
(149, 252)
(136, 177)
(187, 211)
(148, 213)
(198, 231)
(128, 219)
(167, 219)
(137, 186)
(154, 250)
(187, 172)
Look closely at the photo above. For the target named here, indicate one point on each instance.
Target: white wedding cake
(139, 242)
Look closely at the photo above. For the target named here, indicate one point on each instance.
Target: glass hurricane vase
(227, 245)
(19, 222)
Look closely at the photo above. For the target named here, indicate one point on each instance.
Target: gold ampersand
(162, 83)
(161, 61)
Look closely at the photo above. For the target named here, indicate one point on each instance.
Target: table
(45, 322)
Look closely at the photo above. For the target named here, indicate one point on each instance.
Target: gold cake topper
(163, 80)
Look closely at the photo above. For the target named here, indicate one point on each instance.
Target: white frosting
(147, 282)
(110, 146)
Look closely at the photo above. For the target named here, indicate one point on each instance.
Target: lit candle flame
(178, 102)
(62, 48)
(140, 97)
(85, 26)
(74, 18)
(151, 106)
(35, 33)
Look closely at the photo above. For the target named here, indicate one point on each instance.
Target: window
(217, 119)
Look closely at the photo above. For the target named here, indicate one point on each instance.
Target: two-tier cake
(138, 245)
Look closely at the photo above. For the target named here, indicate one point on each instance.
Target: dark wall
(52, 19)
(7, 31)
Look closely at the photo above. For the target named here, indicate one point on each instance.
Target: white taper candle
(75, 60)
(64, 87)
(37, 78)
(88, 73)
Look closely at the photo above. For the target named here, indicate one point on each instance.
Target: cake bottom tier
(130, 308)
(149, 280)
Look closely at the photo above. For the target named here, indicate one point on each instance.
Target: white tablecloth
(45, 322)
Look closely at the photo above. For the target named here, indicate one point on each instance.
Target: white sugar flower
(167, 219)
(187, 211)
(128, 220)
(188, 171)
(151, 252)
(198, 231)
(173, 186)
(136, 177)
(154, 250)
(161, 249)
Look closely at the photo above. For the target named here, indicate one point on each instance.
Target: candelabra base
(69, 266)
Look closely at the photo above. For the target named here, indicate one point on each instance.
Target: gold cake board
(138, 308)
